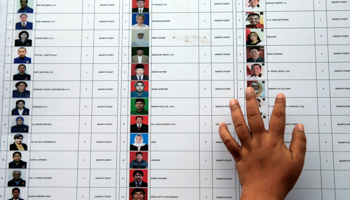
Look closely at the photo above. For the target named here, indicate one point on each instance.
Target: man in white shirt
(253, 5)
(256, 70)
(140, 19)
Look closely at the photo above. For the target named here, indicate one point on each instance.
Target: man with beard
(21, 73)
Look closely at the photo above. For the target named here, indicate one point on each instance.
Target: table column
(324, 103)
(222, 91)
(125, 101)
(85, 112)
(205, 102)
(56, 93)
(9, 136)
(104, 100)
(174, 118)
(285, 61)
(338, 52)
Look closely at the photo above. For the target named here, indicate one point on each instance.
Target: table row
(161, 124)
(166, 106)
(309, 179)
(180, 55)
(173, 89)
(222, 37)
(155, 142)
(158, 160)
(175, 72)
(168, 21)
(162, 193)
(110, 6)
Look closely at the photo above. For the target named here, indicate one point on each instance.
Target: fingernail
(221, 124)
(301, 128)
(280, 96)
(233, 103)
(248, 90)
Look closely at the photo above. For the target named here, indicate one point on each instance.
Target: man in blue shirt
(24, 7)
(138, 163)
(22, 58)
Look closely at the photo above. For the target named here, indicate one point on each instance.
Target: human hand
(267, 169)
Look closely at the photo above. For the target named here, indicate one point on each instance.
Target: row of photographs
(138, 6)
(138, 142)
(26, 6)
(140, 54)
(142, 21)
(19, 175)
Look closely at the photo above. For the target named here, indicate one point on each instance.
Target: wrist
(260, 194)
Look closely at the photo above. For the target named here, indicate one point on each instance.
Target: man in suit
(139, 69)
(24, 7)
(24, 24)
(22, 58)
(15, 194)
(139, 127)
(140, 7)
(21, 73)
(139, 58)
(16, 181)
(255, 55)
(138, 176)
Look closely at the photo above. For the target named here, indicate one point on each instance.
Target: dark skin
(266, 167)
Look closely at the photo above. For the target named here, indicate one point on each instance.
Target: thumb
(298, 144)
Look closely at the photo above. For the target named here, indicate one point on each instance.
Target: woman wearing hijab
(138, 144)
(19, 127)
(140, 40)
(23, 39)
(253, 39)
(18, 145)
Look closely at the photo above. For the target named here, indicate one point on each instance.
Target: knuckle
(279, 113)
(239, 124)
(253, 114)
(226, 140)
